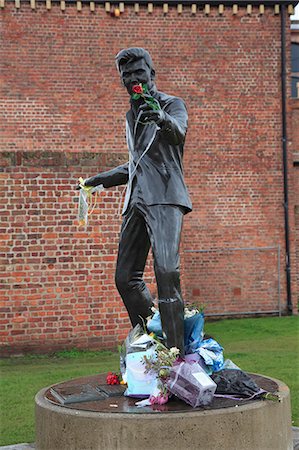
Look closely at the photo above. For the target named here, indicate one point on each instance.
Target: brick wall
(63, 116)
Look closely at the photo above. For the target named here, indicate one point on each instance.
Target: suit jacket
(155, 158)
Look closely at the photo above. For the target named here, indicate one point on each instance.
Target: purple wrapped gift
(190, 383)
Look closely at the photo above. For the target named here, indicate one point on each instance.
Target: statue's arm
(114, 177)
(175, 121)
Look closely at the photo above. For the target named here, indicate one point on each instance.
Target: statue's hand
(80, 184)
(147, 115)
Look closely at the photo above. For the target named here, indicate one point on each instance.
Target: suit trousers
(158, 227)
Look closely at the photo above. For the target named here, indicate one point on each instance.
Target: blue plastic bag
(212, 354)
(193, 332)
(154, 324)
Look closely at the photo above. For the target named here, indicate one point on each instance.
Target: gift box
(190, 383)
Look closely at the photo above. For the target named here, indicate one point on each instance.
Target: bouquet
(86, 201)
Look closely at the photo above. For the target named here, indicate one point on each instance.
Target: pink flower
(160, 399)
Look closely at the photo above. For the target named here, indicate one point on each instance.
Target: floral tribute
(160, 365)
(112, 378)
(141, 91)
(154, 373)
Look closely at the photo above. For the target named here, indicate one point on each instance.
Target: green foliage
(268, 346)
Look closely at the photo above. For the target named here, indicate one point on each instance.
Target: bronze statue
(156, 197)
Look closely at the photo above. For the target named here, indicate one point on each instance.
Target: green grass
(267, 345)
(22, 378)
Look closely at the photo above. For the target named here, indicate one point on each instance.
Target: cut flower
(141, 90)
(137, 89)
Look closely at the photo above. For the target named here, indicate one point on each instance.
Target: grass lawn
(267, 346)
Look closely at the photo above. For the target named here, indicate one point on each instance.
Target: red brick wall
(63, 117)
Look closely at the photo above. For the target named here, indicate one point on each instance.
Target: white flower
(190, 313)
(174, 351)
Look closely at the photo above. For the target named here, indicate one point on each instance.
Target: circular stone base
(116, 423)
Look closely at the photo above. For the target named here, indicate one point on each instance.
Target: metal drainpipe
(285, 157)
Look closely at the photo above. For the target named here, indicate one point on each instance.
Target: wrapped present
(190, 383)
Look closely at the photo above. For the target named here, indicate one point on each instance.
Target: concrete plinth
(256, 425)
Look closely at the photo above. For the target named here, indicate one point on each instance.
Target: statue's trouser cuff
(172, 318)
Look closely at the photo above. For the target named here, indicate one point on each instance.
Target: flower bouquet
(86, 202)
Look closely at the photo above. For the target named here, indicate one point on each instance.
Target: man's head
(135, 66)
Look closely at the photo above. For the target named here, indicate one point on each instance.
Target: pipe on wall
(285, 156)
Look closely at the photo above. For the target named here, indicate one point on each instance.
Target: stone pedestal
(117, 424)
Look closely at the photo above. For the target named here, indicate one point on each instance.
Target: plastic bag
(212, 354)
(190, 383)
(128, 346)
(229, 364)
(154, 324)
(193, 329)
(85, 208)
(140, 384)
(232, 382)
(193, 332)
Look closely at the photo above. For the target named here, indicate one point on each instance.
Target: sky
(296, 15)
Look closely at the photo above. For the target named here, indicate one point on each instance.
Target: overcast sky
(296, 15)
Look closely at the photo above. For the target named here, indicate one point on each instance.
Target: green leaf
(153, 103)
(145, 88)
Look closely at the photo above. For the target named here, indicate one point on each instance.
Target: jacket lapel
(139, 136)
(130, 130)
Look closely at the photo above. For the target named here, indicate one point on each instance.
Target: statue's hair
(133, 54)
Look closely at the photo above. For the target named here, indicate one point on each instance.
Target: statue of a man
(156, 197)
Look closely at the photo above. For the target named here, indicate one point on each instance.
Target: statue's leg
(165, 224)
(132, 253)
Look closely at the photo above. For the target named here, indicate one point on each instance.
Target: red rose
(112, 378)
(137, 89)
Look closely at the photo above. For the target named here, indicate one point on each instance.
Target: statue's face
(136, 72)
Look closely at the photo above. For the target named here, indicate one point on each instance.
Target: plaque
(77, 394)
(111, 390)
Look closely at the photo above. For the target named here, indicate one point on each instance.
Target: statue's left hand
(147, 114)
(81, 183)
